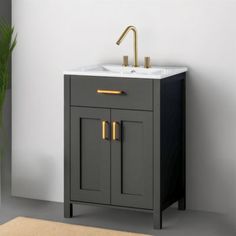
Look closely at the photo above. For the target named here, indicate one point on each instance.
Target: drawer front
(111, 92)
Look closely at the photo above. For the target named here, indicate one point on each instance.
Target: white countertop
(154, 72)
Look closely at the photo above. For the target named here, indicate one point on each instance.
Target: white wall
(54, 35)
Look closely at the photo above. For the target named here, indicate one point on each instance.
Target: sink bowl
(110, 70)
(135, 70)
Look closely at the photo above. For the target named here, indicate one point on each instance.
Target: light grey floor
(175, 223)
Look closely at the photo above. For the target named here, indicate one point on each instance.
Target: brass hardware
(135, 42)
(147, 62)
(104, 130)
(109, 92)
(125, 60)
(115, 130)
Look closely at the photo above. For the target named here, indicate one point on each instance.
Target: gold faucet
(135, 42)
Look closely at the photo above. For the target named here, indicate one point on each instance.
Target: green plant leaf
(7, 45)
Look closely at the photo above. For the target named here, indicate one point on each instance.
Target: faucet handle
(125, 60)
(147, 62)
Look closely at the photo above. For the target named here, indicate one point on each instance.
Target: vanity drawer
(111, 92)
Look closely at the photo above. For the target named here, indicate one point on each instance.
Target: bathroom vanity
(125, 138)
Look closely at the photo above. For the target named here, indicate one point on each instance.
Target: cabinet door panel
(132, 180)
(90, 156)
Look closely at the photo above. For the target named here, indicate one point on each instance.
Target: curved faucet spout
(126, 31)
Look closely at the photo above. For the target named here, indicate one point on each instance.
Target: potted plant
(7, 45)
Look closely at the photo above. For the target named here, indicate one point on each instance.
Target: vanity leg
(182, 204)
(68, 210)
(157, 220)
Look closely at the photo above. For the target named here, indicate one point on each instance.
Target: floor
(175, 223)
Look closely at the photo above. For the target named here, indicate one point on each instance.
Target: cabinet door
(90, 155)
(132, 159)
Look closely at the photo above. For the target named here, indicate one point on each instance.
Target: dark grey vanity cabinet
(90, 156)
(125, 143)
(131, 158)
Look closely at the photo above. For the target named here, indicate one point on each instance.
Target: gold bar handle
(115, 131)
(104, 130)
(109, 92)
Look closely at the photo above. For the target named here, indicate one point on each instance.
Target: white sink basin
(135, 70)
(110, 70)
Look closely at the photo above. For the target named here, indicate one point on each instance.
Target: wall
(5, 162)
(54, 35)
(5, 9)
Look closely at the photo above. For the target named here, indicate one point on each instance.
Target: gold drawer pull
(115, 131)
(104, 130)
(109, 92)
